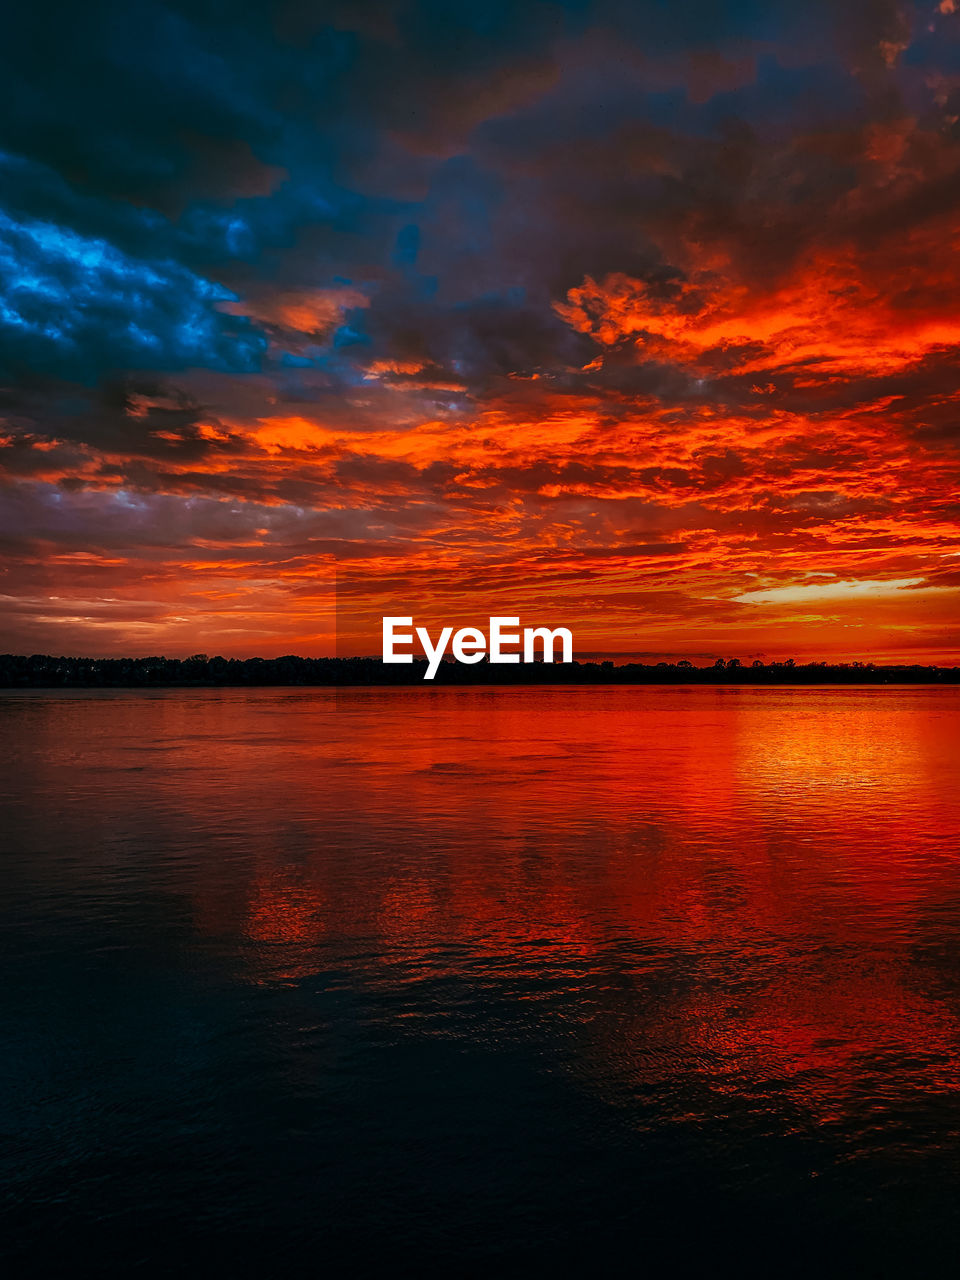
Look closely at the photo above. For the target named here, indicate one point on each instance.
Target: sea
(652, 981)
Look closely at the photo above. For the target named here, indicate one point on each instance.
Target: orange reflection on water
(757, 889)
(742, 877)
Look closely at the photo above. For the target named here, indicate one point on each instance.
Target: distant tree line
(43, 671)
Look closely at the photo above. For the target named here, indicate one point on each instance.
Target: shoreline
(41, 671)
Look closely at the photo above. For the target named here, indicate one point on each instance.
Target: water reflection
(724, 917)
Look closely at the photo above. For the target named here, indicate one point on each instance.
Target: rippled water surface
(465, 981)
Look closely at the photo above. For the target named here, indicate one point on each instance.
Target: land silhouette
(40, 671)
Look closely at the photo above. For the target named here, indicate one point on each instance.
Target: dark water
(555, 981)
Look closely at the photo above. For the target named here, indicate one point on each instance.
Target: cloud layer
(640, 321)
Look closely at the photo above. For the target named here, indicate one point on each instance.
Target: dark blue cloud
(75, 306)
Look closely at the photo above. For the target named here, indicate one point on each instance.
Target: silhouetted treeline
(42, 671)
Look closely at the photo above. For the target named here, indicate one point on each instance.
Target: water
(486, 982)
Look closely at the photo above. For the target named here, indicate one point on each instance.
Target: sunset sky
(638, 318)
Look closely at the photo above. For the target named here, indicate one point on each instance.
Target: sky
(637, 318)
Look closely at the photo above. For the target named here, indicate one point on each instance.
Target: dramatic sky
(642, 318)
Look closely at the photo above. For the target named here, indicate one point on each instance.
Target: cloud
(75, 306)
(804, 592)
(622, 308)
